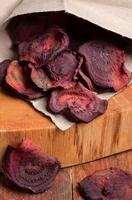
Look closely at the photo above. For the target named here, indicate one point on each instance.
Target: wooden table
(64, 187)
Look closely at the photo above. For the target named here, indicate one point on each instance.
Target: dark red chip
(64, 66)
(60, 72)
(104, 63)
(27, 27)
(108, 184)
(3, 69)
(86, 80)
(18, 80)
(28, 168)
(77, 103)
(44, 48)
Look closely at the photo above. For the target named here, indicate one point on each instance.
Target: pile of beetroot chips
(46, 66)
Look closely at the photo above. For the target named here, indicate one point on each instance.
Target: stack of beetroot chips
(46, 65)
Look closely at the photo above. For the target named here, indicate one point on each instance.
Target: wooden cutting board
(108, 134)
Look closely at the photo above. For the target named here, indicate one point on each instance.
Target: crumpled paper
(112, 15)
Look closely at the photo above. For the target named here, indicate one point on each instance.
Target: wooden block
(61, 190)
(108, 134)
(123, 161)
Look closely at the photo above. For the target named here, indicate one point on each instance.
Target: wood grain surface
(108, 134)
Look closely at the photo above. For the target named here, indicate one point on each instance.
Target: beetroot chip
(77, 104)
(25, 28)
(40, 78)
(86, 80)
(18, 80)
(64, 67)
(44, 48)
(108, 184)
(3, 69)
(105, 64)
(30, 169)
(60, 72)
